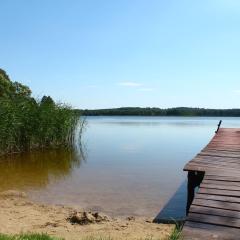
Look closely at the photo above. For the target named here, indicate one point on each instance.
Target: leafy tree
(47, 100)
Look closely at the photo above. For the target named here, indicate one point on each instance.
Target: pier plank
(220, 186)
(220, 182)
(217, 204)
(218, 198)
(219, 192)
(217, 220)
(200, 231)
(214, 211)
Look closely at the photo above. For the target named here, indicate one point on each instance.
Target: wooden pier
(214, 211)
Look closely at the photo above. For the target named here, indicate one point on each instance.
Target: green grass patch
(177, 233)
(32, 236)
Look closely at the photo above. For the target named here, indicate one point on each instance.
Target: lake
(125, 165)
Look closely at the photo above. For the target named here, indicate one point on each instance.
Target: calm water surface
(127, 165)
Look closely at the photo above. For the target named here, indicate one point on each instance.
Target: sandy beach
(20, 215)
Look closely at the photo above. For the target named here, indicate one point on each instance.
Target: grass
(176, 235)
(27, 123)
(110, 238)
(32, 236)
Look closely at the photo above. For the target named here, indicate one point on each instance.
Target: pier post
(194, 180)
(219, 125)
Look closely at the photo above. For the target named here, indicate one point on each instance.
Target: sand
(20, 215)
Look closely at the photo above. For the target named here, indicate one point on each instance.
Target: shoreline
(20, 215)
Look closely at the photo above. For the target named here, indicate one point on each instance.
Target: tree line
(179, 111)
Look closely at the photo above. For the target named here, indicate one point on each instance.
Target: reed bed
(27, 123)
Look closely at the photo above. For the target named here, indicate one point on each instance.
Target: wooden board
(220, 186)
(216, 220)
(217, 204)
(201, 231)
(219, 192)
(214, 211)
(221, 178)
(218, 198)
(221, 182)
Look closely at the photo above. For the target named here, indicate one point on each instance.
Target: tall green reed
(26, 123)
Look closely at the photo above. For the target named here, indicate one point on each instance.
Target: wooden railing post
(219, 125)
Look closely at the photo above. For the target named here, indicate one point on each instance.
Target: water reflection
(130, 121)
(37, 169)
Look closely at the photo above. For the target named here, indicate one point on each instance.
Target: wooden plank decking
(214, 212)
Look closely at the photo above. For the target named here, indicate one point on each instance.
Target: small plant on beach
(177, 233)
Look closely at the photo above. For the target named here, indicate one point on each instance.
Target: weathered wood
(219, 182)
(217, 159)
(201, 231)
(222, 178)
(219, 192)
(218, 198)
(214, 213)
(203, 168)
(221, 187)
(206, 163)
(217, 220)
(219, 154)
(217, 204)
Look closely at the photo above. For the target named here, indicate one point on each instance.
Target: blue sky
(107, 53)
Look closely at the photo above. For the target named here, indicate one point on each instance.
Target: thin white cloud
(91, 86)
(130, 84)
(146, 89)
(237, 91)
(136, 85)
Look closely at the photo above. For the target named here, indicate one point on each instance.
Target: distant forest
(179, 111)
